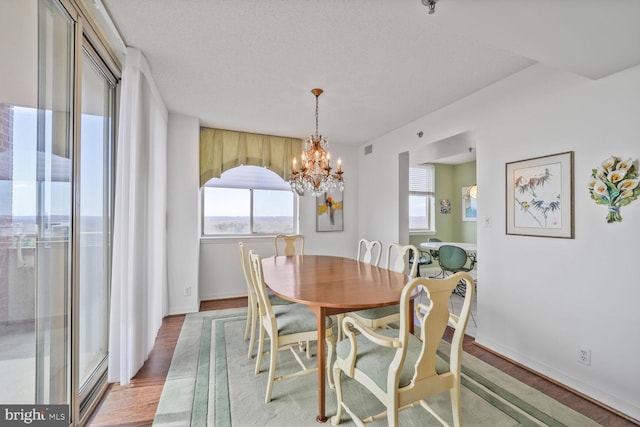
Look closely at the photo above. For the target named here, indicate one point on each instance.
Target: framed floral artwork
(329, 213)
(540, 196)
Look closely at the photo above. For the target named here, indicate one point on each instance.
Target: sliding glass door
(53, 202)
(57, 109)
(35, 194)
(94, 198)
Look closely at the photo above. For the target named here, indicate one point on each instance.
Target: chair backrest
(246, 269)
(452, 258)
(264, 305)
(289, 244)
(20, 258)
(402, 255)
(433, 319)
(369, 251)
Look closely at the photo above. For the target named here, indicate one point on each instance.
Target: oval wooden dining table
(331, 285)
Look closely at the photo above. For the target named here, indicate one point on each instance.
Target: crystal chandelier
(315, 173)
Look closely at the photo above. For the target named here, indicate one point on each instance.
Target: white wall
(220, 273)
(541, 298)
(183, 224)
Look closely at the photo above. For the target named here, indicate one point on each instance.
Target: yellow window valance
(221, 150)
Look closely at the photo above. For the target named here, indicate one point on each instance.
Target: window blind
(421, 179)
(252, 177)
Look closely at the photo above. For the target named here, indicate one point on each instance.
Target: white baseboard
(589, 391)
(222, 295)
(183, 309)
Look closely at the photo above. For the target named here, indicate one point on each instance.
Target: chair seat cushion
(423, 260)
(295, 318)
(379, 312)
(276, 300)
(374, 360)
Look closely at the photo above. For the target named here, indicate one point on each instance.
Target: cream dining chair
(289, 244)
(252, 301)
(291, 325)
(382, 316)
(369, 251)
(399, 368)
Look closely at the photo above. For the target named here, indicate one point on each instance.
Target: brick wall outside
(6, 141)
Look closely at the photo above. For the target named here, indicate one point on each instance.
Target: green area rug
(211, 383)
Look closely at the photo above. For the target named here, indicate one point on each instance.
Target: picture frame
(445, 206)
(539, 196)
(469, 203)
(329, 212)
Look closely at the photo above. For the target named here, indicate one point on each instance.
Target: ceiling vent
(368, 149)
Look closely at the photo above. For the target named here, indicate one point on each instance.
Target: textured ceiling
(591, 38)
(250, 64)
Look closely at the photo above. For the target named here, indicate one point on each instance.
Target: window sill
(237, 238)
(422, 232)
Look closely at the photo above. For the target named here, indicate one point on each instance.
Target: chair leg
(330, 343)
(304, 346)
(461, 289)
(473, 319)
(335, 420)
(392, 416)
(456, 407)
(273, 359)
(252, 339)
(260, 348)
(247, 323)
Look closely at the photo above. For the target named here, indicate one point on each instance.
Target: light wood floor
(136, 403)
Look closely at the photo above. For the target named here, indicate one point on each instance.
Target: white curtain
(139, 279)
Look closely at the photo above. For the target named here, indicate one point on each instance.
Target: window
(248, 200)
(421, 198)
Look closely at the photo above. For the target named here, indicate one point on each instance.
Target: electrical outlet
(187, 291)
(584, 356)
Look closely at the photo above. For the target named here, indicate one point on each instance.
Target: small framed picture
(445, 206)
(540, 196)
(470, 203)
(329, 211)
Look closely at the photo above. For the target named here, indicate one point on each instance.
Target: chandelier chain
(317, 116)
